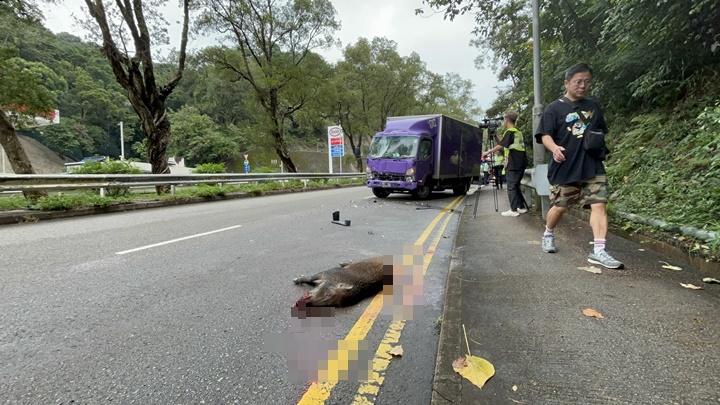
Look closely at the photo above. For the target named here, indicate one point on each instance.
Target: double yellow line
(319, 392)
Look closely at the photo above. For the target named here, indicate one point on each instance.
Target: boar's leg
(312, 280)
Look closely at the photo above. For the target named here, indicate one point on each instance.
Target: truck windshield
(394, 147)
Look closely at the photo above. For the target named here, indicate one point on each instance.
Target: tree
(273, 41)
(373, 82)
(25, 87)
(200, 140)
(134, 70)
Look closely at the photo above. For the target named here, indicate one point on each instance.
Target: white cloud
(443, 45)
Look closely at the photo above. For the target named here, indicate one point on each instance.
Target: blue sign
(337, 150)
(247, 168)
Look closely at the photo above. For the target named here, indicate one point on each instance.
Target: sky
(443, 45)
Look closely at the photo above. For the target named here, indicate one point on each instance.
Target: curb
(447, 384)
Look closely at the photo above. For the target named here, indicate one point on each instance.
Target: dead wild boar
(346, 285)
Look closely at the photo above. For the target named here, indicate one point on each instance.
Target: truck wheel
(462, 189)
(421, 193)
(380, 192)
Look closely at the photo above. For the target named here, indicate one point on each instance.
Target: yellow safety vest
(518, 143)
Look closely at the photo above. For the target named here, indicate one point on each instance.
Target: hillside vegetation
(657, 75)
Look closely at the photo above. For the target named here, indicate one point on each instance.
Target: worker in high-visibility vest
(486, 172)
(517, 162)
(498, 167)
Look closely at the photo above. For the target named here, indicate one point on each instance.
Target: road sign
(337, 150)
(246, 156)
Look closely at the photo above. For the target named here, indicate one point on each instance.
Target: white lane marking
(176, 240)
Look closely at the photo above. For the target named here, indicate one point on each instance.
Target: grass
(90, 199)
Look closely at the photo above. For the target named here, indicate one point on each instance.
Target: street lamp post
(122, 142)
(539, 149)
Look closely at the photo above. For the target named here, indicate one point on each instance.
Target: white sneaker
(510, 213)
(522, 210)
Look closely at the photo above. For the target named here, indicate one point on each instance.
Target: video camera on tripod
(491, 124)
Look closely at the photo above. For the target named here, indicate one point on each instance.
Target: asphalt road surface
(192, 304)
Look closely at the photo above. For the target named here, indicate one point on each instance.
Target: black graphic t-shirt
(561, 120)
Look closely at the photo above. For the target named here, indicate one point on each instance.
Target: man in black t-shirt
(575, 176)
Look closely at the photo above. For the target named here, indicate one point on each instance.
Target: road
(192, 304)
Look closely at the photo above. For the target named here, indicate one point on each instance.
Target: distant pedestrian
(486, 171)
(576, 176)
(513, 146)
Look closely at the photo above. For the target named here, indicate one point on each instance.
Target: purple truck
(423, 153)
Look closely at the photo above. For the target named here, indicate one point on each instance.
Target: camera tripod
(492, 128)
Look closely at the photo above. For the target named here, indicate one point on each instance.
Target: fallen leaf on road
(533, 242)
(397, 351)
(642, 250)
(591, 269)
(710, 280)
(514, 387)
(690, 286)
(669, 267)
(475, 369)
(592, 313)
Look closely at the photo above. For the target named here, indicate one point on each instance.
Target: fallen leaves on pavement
(691, 286)
(589, 312)
(591, 269)
(711, 280)
(670, 267)
(397, 351)
(475, 369)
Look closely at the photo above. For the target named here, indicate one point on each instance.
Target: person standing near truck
(517, 162)
(576, 175)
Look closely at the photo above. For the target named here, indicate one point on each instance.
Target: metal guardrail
(52, 182)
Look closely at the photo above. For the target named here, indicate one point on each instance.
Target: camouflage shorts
(584, 192)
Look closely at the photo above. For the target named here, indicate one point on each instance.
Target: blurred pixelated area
(398, 278)
(403, 297)
(312, 359)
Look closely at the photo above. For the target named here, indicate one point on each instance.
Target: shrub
(209, 190)
(13, 202)
(209, 168)
(107, 167)
(61, 202)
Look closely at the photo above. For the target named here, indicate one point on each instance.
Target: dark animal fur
(345, 285)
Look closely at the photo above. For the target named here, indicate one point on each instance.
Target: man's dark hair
(578, 68)
(511, 116)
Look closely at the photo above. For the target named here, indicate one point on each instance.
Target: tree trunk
(282, 151)
(156, 150)
(19, 160)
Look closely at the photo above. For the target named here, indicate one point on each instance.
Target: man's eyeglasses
(581, 82)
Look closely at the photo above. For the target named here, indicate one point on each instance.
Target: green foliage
(107, 167)
(209, 168)
(199, 139)
(62, 202)
(210, 190)
(13, 202)
(678, 177)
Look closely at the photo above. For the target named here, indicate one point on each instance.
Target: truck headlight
(368, 173)
(410, 175)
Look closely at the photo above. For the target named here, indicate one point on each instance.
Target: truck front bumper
(392, 184)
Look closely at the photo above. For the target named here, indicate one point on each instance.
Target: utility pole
(538, 149)
(122, 142)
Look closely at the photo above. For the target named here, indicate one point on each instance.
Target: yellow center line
(368, 391)
(319, 392)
